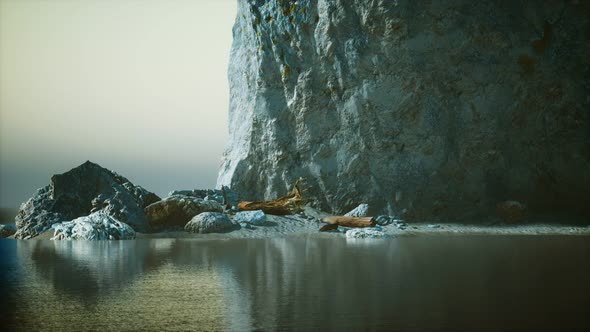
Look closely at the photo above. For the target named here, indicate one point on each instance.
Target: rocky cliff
(422, 108)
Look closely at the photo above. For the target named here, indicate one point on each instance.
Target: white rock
(365, 233)
(359, 211)
(96, 226)
(252, 217)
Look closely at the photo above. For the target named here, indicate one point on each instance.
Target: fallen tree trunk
(334, 222)
(289, 204)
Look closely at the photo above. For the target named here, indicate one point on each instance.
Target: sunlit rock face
(96, 226)
(422, 108)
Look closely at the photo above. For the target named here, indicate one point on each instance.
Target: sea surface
(438, 283)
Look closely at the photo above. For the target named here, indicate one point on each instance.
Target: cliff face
(428, 108)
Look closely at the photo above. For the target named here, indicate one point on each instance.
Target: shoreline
(307, 223)
(294, 228)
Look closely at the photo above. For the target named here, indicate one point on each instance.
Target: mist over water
(139, 87)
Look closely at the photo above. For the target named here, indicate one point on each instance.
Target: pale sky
(137, 86)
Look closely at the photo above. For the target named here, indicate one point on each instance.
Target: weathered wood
(335, 221)
(289, 204)
(328, 227)
(350, 221)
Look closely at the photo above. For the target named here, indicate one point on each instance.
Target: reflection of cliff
(448, 283)
(440, 283)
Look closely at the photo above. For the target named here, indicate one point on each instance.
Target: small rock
(384, 220)
(511, 211)
(365, 233)
(246, 225)
(210, 222)
(360, 211)
(252, 217)
(433, 226)
(7, 230)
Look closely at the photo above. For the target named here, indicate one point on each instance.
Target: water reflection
(449, 283)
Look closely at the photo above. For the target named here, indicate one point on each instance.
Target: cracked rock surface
(423, 110)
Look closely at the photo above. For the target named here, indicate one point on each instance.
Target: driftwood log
(334, 222)
(289, 204)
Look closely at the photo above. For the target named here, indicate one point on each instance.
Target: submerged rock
(252, 217)
(96, 226)
(365, 233)
(359, 211)
(210, 222)
(7, 230)
(441, 108)
(85, 189)
(177, 210)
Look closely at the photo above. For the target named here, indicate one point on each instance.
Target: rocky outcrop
(96, 226)
(7, 230)
(177, 210)
(423, 109)
(79, 192)
(210, 222)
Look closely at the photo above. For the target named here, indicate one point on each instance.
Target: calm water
(413, 283)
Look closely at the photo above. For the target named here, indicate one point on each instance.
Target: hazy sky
(138, 86)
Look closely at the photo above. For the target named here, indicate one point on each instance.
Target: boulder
(359, 211)
(7, 230)
(256, 217)
(83, 190)
(96, 226)
(210, 222)
(365, 233)
(177, 210)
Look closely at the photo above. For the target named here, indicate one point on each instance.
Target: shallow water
(412, 283)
